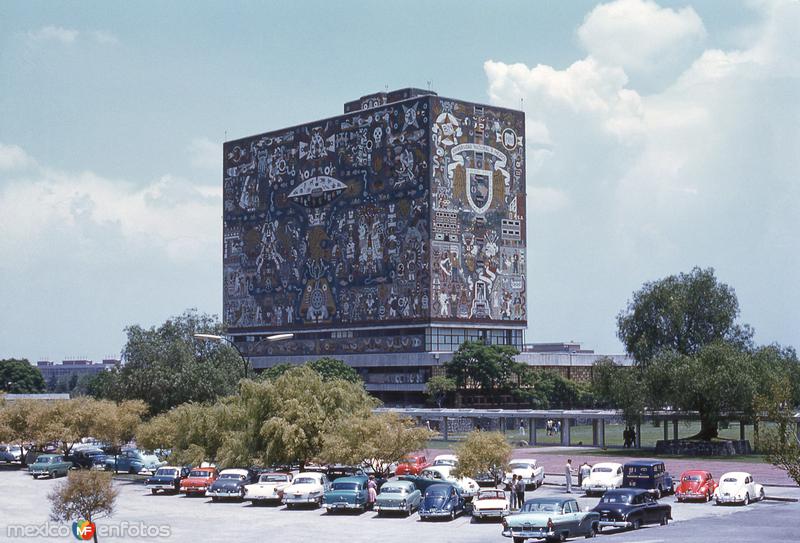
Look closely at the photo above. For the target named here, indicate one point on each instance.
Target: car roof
(441, 486)
(204, 468)
(442, 470)
(237, 471)
(313, 474)
(169, 467)
(445, 457)
(629, 491)
(694, 472)
(405, 484)
(48, 455)
(643, 462)
(737, 474)
(354, 479)
(274, 473)
(554, 499)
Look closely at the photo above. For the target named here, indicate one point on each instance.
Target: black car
(338, 470)
(648, 475)
(489, 478)
(167, 479)
(231, 483)
(88, 457)
(631, 508)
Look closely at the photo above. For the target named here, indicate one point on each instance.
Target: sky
(660, 136)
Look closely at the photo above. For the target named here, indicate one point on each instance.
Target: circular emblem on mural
(317, 299)
(509, 139)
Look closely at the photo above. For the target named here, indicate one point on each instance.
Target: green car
(347, 493)
(51, 465)
(552, 519)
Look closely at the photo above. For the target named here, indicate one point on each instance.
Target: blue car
(442, 500)
(133, 461)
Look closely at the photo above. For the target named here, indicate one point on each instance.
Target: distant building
(54, 373)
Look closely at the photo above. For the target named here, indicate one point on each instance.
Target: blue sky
(660, 136)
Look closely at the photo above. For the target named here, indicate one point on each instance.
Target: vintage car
(450, 460)
(269, 488)
(695, 485)
(631, 508)
(167, 479)
(133, 461)
(604, 476)
(198, 481)
(12, 453)
(490, 503)
(443, 473)
(308, 487)
(412, 464)
(527, 468)
(230, 484)
(347, 494)
(49, 465)
(87, 457)
(553, 519)
(738, 487)
(649, 475)
(339, 470)
(442, 500)
(400, 496)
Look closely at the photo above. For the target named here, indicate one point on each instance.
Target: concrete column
(602, 432)
(565, 432)
(675, 429)
(741, 430)
(531, 431)
(638, 435)
(594, 433)
(444, 428)
(665, 422)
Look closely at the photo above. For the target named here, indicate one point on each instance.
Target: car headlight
(402, 503)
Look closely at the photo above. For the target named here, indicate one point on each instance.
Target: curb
(778, 499)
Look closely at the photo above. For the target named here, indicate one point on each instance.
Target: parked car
(268, 488)
(442, 500)
(167, 479)
(400, 496)
(492, 478)
(604, 476)
(87, 457)
(649, 475)
(553, 519)
(532, 474)
(50, 465)
(490, 504)
(347, 493)
(338, 470)
(5, 454)
(412, 464)
(15, 451)
(308, 487)
(738, 487)
(132, 461)
(695, 485)
(230, 484)
(631, 508)
(445, 460)
(444, 473)
(198, 481)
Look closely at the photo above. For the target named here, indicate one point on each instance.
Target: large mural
(478, 212)
(326, 224)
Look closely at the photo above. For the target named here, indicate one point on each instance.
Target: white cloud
(639, 35)
(206, 154)
(54, 33)
(13, 157)
(104, 37)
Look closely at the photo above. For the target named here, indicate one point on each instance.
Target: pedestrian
(514, 495)
(626, 437)
(583, 472)
(520, 492)
(372, 491)
(568, 475)
(521, 428)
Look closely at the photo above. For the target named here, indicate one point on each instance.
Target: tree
(18, 376)
(18, 423)
(167, 366)
(680, 313)
(780, 443)
(65, 422)
(489, 368)
(274, 372)
(621, 387)
(332, 368)
(85, 495)
(119, 422)
(380, 439)
(438, 387)
(482, 452)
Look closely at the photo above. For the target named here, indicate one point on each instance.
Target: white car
(307, 487)
(469, 488)
(490, 503)
(269, 488)
(445, 460)
(531, 472)
(738, 487)
(604, 476)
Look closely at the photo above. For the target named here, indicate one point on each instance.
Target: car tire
(592, 532)
(746, 499)
(664, 520)
(452, 515)
(153, 491)
(637, 524)
(762, 495)
(214, 499)
(709, 496)
(241, 495)
(679, 500)
(658, 493)
(35, 476)
(519, 540)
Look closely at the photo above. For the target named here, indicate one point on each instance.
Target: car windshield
(692, 478)
(44, 460)
(444, 462)
(730, 480)
(167, 472)
(602, 470)
(492, 495)
(541, 506)
(616, 498)
(345, 486)
(273, 479)
(305, 481)
(392, 490)
(231, 476)
(520, 466)
(199, 473)
(437, 492)
(408, 460)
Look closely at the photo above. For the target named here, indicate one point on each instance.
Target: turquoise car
(49, 465)
(398, 496)
(552, 519)
(347, 494)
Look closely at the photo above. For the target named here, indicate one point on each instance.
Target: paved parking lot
(190, 519)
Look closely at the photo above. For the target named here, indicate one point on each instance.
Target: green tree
(779, 442)
(332, 368)
(18, 423)
(18, 376)
(65, 422)
(488, 368)
(119, 422)
(680, 313)
(85, 495)
(438, 387)
(274, 372)
(167, 366)
(192, 432)
(482, 452)
(620, 387)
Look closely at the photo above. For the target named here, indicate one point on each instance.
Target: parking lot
(188, 519)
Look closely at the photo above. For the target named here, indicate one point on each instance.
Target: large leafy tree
(482, 452)
(166, 366)
(18, 423)
(488, 368)
(438, 387)
(18, 376)
(680, 313)
(119, 422)
(780, 442)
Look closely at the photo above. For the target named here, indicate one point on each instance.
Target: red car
(198, 481)
(412, 464)
(695, 485)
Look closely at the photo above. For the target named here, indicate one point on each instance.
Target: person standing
(512, 492)
(372, 491)
(568, 475)
(583, 473)
(520, 492)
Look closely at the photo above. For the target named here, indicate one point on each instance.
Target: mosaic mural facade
(408, 212)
